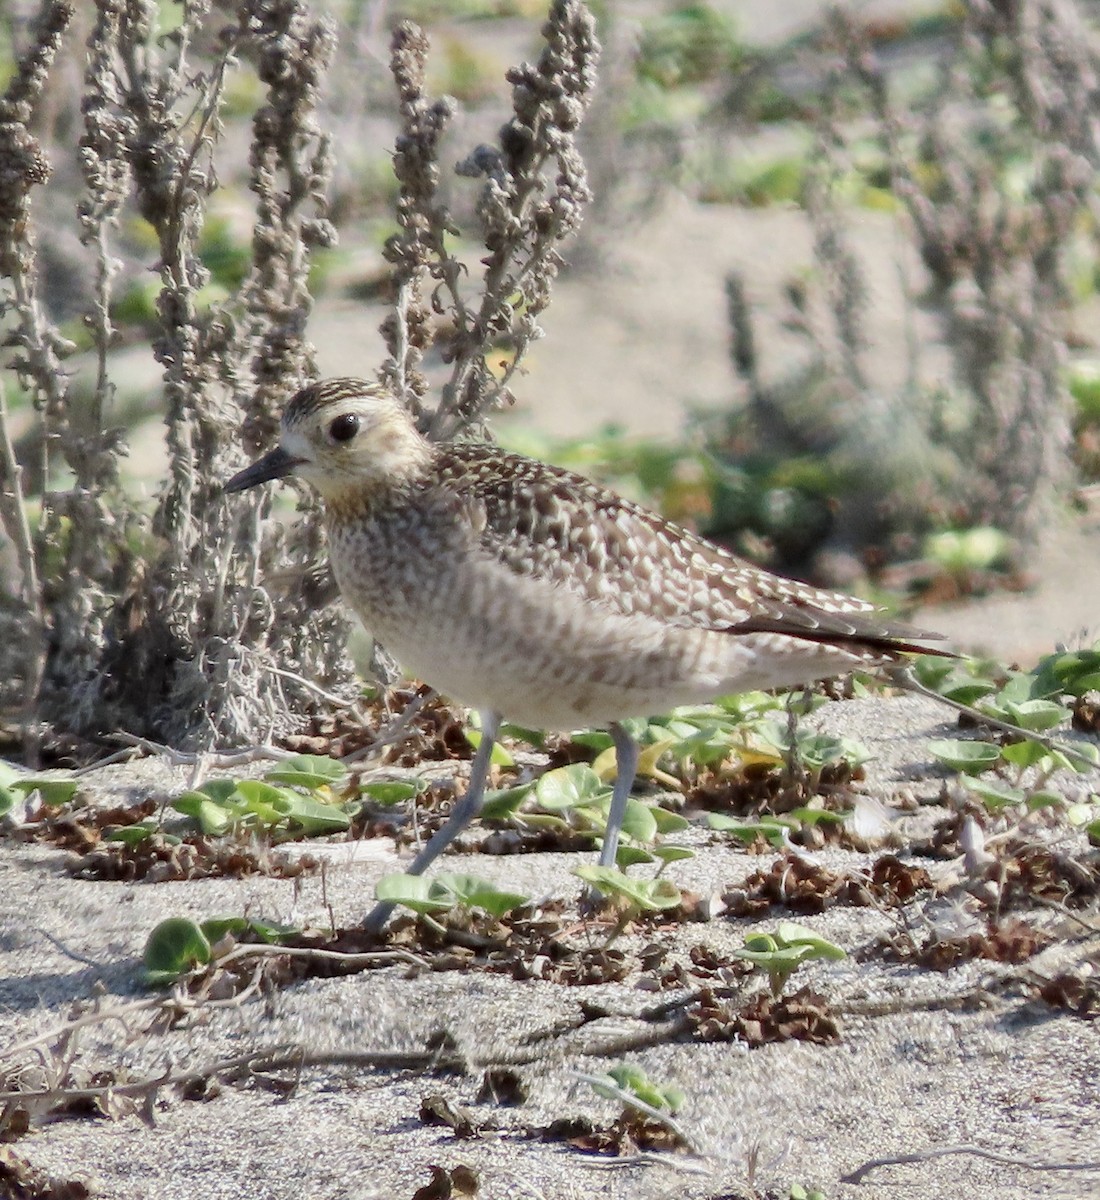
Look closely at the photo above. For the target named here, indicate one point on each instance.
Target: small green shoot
(499, 756)
(576, 798)
(388, 792)
(447, 891)
(775, 830)
(970, 758)
(297, 798)
(633, 1081)
(781, 953)
(134, 835)
(632, 896)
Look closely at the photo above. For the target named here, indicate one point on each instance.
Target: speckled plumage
(510, 584)
(534, 594)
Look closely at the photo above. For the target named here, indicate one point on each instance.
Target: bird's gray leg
(626, 767)
(462, 814)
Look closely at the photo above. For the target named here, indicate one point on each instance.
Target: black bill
(275, 465)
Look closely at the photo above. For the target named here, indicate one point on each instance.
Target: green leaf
(412, 892)
(631, 856)
(215, 928)
(774, 831)
(472, 892)
(212, 818)
(447, 891)
(669, 822)
(646, 895)
(307, 771)
(1036, 715)
(595, 740)
(218, 790)
(778, 958)
(52, 792)
(267, 803)
(133, 835)
(520, 733)
(1082, 814)
(569, 787)
(817, 816)
(537, 820)
(994, 794)
(316, 819)
(1024, 754)
(1043, 799)
(967, 757)
(671, 854)
(499, 756)
(1089, 751)
(174, 947)
(789, 933)
(639, 822)
(967, 691)
(500, 805)
(392, 791)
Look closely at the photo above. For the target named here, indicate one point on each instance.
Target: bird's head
(346, 437)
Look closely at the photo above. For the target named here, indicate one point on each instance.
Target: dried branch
(524, 217)
(419, 249)
(13, 517)
(291, 168)
(40, 349)
(524, 213)
(996, 255)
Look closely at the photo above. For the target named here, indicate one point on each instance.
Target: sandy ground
(915, 1070)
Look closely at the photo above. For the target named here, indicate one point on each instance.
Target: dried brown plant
(993, 169)
(532, 198)
(198, 621)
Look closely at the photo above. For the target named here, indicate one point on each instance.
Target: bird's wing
(544, 522)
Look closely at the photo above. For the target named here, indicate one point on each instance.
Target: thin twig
(268, 1059)
(392, 731)
(212, 758)
(1006, 1160)
(364, 958)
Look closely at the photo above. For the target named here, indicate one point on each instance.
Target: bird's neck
(368, 496)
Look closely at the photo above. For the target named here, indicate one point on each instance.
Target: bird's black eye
(344, 427)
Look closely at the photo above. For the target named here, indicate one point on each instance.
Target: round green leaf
(639, 822)
(174, 947)
(968, 757)
(568, 787)
(316, 819)
(994, 794)
(307, 771)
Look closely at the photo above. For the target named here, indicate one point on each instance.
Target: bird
(535, 595)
